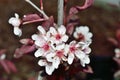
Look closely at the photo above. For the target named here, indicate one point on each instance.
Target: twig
(60, 12)
(41, 11)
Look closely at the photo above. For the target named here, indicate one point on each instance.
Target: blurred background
(103, 18)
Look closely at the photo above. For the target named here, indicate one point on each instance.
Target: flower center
(59, 53)
(72, 49)
(81, 36)
(58, 37)
(46, 47)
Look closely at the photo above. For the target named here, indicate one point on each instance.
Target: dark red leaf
(11, 66)
(88, 70)
(24, 50)
(70, 29)
(31, 18)
(48, 23)
(5, 66)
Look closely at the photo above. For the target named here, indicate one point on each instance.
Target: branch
(60, 12)
(41, 11)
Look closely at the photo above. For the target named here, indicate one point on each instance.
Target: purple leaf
(31, 18)
(5, 66)
(11, 66)
(24, 50)
(88, 70)
(48, 23)
(70, 29)
(26, 41)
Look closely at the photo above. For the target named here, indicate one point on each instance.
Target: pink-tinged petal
(16, 15)
(53, 31)
(42, 62)
(50, 56)
(75, 35)
(84, 61)
(87, 50)
(87, 59)
(62, 30)
(11, 66)
(39, 52)
(35, 37)
(40, 42)
(90, 35)
(66, 49)
(49, 69)
(70, 58)
(65, 38)
(17, 31)
(41, 30)
(5, 66)
(79, 54)
(73, 43)
(56, 62)
(60, 47)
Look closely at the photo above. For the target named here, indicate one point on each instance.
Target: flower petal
(50, 56)
(35, 37)
(60, 47)
(56, 62)
(65, 38)
(39, 52)
(17, 31)
(66, 49)
(70, 58)
(53, 31)
(62, 30)
(42, 62)
(49, 69)
(79, 54)
(41, 29)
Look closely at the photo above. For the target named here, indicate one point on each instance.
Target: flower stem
(60, 12)
(41, 11)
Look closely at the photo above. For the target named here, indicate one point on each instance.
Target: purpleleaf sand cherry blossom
(59, 35)
(42, 42)
(82, 33)
(76, 50)
(15, 22)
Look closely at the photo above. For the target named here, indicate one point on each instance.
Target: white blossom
(15, 22)
(57, 56)
(75, 50)
(82, 33)
(59, 35)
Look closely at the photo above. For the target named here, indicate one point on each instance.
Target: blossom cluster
(54, 48)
